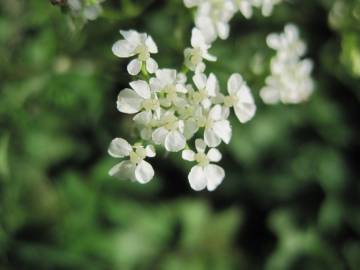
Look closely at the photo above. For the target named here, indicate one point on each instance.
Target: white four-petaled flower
(205, 174)
(135, 168)
(136, 44)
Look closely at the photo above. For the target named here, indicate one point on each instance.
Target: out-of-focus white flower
(136, 44)
(245, 7)
(204, 174)
(212, 18)
(240, 98)
(194, 56)
(216, 126)
(135, 168)
(266, 6)
(290, 79)
(170, 132)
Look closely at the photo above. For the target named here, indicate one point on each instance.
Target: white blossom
(140, 97)
(240, 98)
(212, 17)
(216, 126)
(194, 56)
(136, 44)
(135, 168)
(290, 79)
(170, 132)
(205, 174)
(169, 83)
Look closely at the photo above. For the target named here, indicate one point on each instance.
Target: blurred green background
(291, 197)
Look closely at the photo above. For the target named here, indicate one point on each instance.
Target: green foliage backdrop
(291, 196)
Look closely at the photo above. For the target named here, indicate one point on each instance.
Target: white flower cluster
(172, 112)
(290, 79)
(212, 17)
(87, 9)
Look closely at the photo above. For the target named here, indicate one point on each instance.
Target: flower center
(138, 155)
(201, 159)
(150, 104)
(143, 52)
(229, 101)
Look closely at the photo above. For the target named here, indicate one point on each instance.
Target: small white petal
(188, 155)
(211, 85)
(151, 65)
(245, 111)
(151, 45)
(123, 49)
(214, 155)
(123, 170)
(270, 95)
(174, 141)
(131, 36)
(197, 178)
(223, 30)
(211, 139)
(144, 172)
(223, 130)
(134, 67)
(142, 88)
(150, 151)
(119, 148)
(214, 175)
(216, 112)
(129, 101)
(197, 38)
(159, 135)
(200, 145)
(209, 57)
(190, 128)
(234, 83)
(143, 118)
(200, 80)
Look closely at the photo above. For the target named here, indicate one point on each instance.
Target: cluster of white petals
(187, 112)
(88, 10)
(140, 45)
(212, 17)
(175, 110)
(290, 79)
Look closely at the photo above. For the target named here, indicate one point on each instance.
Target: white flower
(240, 98)
(245, 7)
(216, 126)
(204, 174)
(212, 18)
(136, 168)
(194, 56)
(139, 44)
(207, 88)
(170, 132)
(290, 79)
(169, 84)
(138, 98)
(287, 44)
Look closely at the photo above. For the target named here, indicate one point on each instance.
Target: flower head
(205, 174)
(136, 44)
(290, 79)
(194, 56)
(135, 168)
